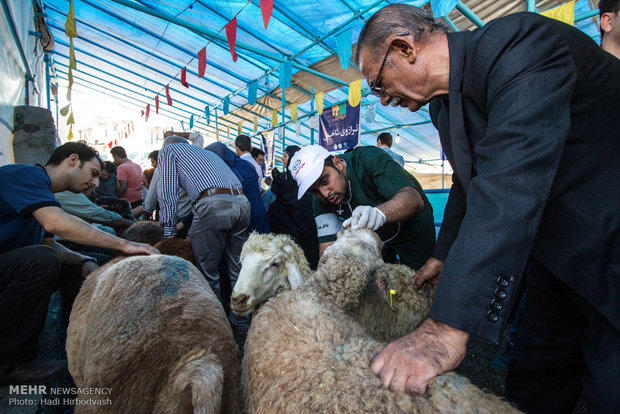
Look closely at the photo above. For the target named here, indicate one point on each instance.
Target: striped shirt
(194, 170)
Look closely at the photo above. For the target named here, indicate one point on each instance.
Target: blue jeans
(219, 230)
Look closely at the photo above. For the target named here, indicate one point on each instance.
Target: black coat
(532, 130)
(287, 215)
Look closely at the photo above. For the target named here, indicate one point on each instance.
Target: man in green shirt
(369, 189)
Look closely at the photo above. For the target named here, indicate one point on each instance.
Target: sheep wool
(151, 329)
(143, 232)
(306, 354)
(176, 247)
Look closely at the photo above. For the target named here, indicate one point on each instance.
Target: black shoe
(35, 371)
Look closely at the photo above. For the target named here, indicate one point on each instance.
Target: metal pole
(46, 58)
(311, 110)
(283, 105)
(466, 11)
(531, 6)
(586, 15)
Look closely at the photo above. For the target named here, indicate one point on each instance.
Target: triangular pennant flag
(168, 97)
(208, 115)
(274, 118)
(344, 45)
(72, 63)
(70, 134)
(228, 131)
(70, 77)
(231, 36)
(226, 105)
(68, 94)
(216, 127)
(319, 102)
(156, 104)
(184, 77)
(147, 113)
(442, 7)
(141, 112)
(70, 120)
(285, 74)
(191, 121)
(182, 125)
(336, 111)
(131, 124)
(342, 109)
(110, 144)
(252, 88)
(564, 13)
(255, 123)
(217, 134)
(202, 62)
(293, 109)
(239, 127)
(70, 29)
(355, 92)
(125, 134)
(266, 9)
(65, 110)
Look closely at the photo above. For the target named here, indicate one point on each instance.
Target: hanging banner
(344, 48)
(355, 92)
(340, 131)
(293, 111)
(231, 36)
(252, 88)
(168, 97)
(564, 13)
(268, 145)
(156, 104)
(318, 97)
(202, 62)
(184, 77)
(226, 104)
(255, 123)
(266, 9)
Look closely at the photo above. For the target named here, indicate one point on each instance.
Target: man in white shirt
(243, 146)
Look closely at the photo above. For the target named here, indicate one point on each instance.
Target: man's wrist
(87, 259)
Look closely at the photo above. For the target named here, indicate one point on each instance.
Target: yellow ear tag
(392, 293)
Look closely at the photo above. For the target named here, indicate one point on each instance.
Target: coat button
(502, 281)
(496, 305)
(492, 316)
(500, 293)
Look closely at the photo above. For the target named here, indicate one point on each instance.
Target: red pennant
(231, 35)
(184, 77)
(110, 144)
(156, 104)
(125, 134)
(202, 62)
(142, 112)
(148, 111)
(115, 142)
(266, 8)
(168, 95)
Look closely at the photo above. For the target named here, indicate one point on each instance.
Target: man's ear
(404, 48)
(606, 22)
(74, 159)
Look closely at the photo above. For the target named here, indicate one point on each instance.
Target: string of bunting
(71, 32)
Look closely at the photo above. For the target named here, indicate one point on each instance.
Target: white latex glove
(365, 216)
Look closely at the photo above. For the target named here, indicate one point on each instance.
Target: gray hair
(392, 20)
(174, 139)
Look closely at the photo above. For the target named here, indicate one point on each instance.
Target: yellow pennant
(71, 54)
(228, 131)
(355, 92)
(217, 134)
(564, 13)
(68, 94)
(65, 110)
(70, 120)
(274, 118)
(70, 77)
(70, 134)
(318, 97)
(70, 29)
(293, 110)
(255, 123)
(239, 127)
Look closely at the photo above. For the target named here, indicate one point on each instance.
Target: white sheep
(305, 354)
(151, 329)
(275, 263)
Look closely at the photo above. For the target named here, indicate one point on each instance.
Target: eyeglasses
(376, 88)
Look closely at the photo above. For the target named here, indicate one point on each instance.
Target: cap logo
(298, 167)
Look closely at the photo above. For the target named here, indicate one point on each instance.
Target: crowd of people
(526, 108)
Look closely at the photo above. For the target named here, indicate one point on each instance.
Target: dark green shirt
(374, 177)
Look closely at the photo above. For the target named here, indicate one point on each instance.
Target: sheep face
(362, 243)
(269, 264)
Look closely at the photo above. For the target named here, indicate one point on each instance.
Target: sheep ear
(294, 276)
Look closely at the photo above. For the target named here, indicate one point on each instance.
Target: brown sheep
(143, 232)
(176, 247)
(150, 328)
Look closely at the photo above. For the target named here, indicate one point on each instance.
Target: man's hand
(87, 268)
(428, 275)
(139, 248)
(411, 362)
(365, 216)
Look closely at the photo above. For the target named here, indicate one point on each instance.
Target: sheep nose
(240, 300)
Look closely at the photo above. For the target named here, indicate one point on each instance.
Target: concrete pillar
(34, 135)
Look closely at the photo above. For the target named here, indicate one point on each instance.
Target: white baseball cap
(306, 166)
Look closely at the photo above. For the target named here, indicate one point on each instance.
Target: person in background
(195, 138)
(610, 26)
(384, 141)
(147, 176)
(243, 146)
(153, 158)
(259, 221)
(107, 182)
(292, 216)
(258, 155)
(268, 195)
(31, 259)
(129, 176)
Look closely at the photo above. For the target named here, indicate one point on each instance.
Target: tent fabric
(125, 48)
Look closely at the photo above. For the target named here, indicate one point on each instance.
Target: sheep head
(269, 264)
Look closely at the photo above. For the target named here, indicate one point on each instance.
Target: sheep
(143, 232)
(274, 263)
(304, 352)
(151, 329)
(176, 247)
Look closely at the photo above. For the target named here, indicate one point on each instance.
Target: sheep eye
(275, 264)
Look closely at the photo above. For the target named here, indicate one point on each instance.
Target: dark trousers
(28, 276)
(564, 347)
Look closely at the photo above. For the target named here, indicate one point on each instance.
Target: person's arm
(71, 228)
(323, 246)
(150, 202)
(80, 206)
(168, 190)
(405, 204)
(122, 188)
(70, 257)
